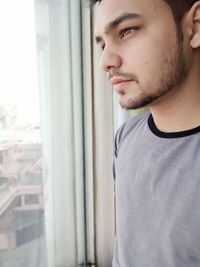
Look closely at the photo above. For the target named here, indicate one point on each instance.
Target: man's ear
(195, 13)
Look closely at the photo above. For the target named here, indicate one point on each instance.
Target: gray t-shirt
(157, 178)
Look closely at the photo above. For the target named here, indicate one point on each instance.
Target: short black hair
(179, 7)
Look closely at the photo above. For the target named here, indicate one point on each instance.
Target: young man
(151, 53)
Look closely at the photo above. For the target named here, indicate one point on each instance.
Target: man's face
(141, 50)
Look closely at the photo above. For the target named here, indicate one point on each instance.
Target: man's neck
(179, 110)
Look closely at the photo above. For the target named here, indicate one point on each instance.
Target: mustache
(124, 75)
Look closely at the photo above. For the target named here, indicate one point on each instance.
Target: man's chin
(137, 102)
(132, 104)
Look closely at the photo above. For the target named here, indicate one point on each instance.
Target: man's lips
(119, 83)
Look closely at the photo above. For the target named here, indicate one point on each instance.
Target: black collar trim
(161, 134)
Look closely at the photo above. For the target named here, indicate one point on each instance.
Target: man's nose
(110, 58)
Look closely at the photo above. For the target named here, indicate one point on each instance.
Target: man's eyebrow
(113, 24)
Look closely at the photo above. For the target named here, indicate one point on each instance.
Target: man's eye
(127, 31)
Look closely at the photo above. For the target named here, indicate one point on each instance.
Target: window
(22, 235)
(32, 199)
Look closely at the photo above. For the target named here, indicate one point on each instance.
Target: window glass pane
(22, 238)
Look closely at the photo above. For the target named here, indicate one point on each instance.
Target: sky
(18, 59)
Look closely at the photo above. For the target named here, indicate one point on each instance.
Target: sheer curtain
(60, 79)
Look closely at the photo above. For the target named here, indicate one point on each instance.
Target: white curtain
(60, 72)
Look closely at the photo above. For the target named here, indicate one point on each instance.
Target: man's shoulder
(130, 126)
